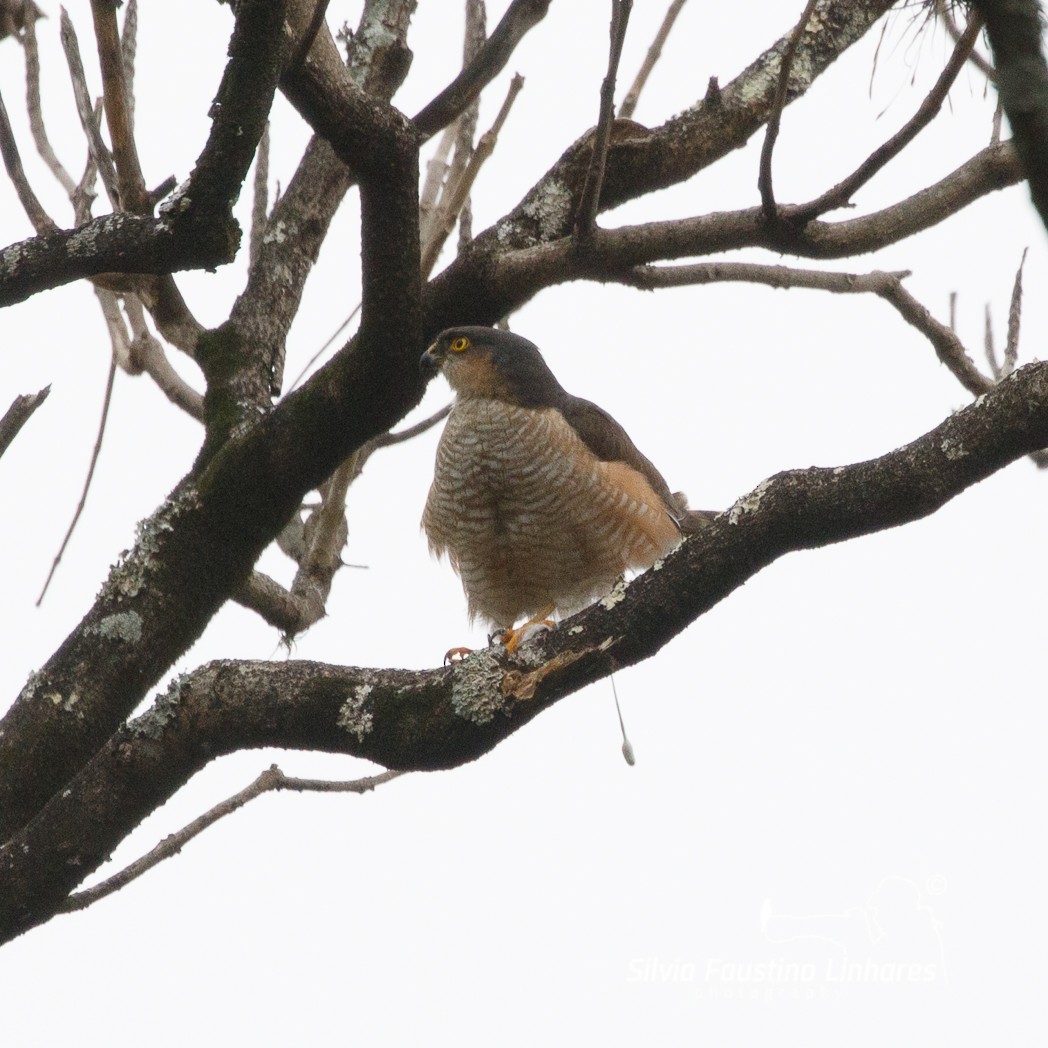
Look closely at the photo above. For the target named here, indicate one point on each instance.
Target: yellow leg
(512, 639)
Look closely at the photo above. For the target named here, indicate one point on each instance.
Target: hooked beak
(431, 361)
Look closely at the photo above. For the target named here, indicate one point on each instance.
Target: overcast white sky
(840, 765)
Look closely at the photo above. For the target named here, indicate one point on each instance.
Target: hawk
(540, 500)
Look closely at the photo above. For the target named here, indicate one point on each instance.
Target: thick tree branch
(506, 280)
(445, 717)
(196, 229)
(1014, 28)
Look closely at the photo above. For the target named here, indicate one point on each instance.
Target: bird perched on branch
(539, 499)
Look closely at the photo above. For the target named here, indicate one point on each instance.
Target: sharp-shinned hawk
(539, 499)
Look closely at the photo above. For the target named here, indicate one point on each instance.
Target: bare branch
(1015, 310)
(87, 480)
(586, 215)
(947, 345)
(271, 779)
(131, 185)
(520, 17)
(764, 182)
(454, 196)
(1015, 28)
(148, 355)
(629, 103)
(410, 432)
(40, 219)
(260, 200)
(99, 150)
(35, 110)
(840, 195)
(18, 414)
(441, 718)
(944, 11)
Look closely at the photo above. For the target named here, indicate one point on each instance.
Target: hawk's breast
(530, 518)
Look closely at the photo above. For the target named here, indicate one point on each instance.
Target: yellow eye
(459, 344)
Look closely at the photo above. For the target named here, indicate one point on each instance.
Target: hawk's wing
(611, 443)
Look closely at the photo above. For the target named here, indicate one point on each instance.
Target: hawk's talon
(512, 639)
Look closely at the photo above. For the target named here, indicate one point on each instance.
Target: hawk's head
(484, 362)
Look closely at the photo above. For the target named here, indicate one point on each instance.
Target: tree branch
(520, 17)
(629, 103)
(270, 780)
(18, 414)
(764, 182)
(1014, 28)
(442, 718)
(586, 215)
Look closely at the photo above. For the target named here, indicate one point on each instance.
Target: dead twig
(840, 195)
(35, 111)
(107, 399)
(629, 103)
(1015, 310)
(260, 201)
(764, 180)
(18, 414)
(40, 219)
(942, 9)
(116, 92)
(443, 220)
(888, 286)
(100, 154)
(271, 779)
(589, 201)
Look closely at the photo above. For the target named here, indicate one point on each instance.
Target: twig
(128, 54)
(589, 201)
(40, 219)
(271, 779)
(436, 173)
(320, 352)
(629, 103)
(988, 347)
(650, 277)
(260, 196)
(386, 440)
(942, 9)
(99, 151)
(87, 481)
(35, 110)
(764, 182)
(948, 347)
(131, 185)
(18, 414)
(454, 196)
(1015, 311)
(520, 16)
(466, 125)
(841, 194)
(148, 355)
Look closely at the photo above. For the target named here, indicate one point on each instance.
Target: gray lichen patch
(153, 722)
(355, 715)
(616, 596)
(476, 691)
(124, 626)
(130, 573)
(748, 503)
